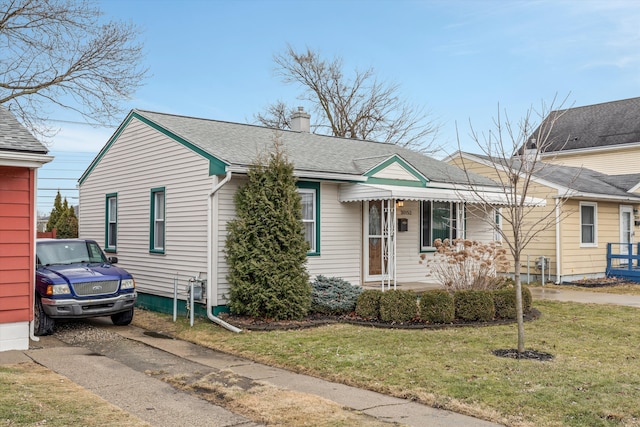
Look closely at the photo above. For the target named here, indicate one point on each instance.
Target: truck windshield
(65, 252)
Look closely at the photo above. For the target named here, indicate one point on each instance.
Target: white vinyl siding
(340, 238)
(477, 225)
(139, 160)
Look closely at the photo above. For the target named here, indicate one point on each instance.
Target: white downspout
(558, 255)
(212, 245)
(32, 335)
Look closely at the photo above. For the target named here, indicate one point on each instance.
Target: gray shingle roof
(582, 180)
(598, 125)
(15, 137)
(240, 144)
(587, 180)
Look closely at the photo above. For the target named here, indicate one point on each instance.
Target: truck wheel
(42, 324)
(122, 319)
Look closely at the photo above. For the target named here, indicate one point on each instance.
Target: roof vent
(301, 121)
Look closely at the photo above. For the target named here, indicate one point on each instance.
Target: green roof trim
(421, 179)
(216, 166)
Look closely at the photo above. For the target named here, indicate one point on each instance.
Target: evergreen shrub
(398, 306)
(474, 305)
(368, 304)
(504, 301)
(527, 299)
(266, 249)
(333, 295)
(436, 306)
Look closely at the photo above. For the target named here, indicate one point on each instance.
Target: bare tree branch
(360, 107)
(60, 52)
(512, 152)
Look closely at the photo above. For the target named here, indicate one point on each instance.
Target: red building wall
(17, 224)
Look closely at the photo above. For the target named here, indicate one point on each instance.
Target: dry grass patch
(267, 404)
(31, 395)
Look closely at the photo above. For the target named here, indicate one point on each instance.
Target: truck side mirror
(113, 259)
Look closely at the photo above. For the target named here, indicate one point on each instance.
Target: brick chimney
(301, 121)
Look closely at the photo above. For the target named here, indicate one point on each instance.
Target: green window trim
(157, 221)
(111, 222)
(315, 187)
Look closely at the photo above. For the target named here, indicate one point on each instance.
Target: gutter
(212, 243)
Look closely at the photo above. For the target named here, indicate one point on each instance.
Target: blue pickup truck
(75, 280)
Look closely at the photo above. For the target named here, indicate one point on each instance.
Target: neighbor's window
(588, 221)
(498, 218)
(157, 232)
(310, 195)
(111, 220)
(438, 220)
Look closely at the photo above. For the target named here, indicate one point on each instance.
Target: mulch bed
(597, 282)
(512, 353)
(315, 320)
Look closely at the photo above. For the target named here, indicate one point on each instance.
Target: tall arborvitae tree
(63, 218)
(266, 249)
(67, 225)
(56, 212)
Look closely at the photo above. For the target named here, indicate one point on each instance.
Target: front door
(373, 240)
(626, 228)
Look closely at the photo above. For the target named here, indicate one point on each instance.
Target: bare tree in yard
(512, 152)
(360, 107)
(60, 52)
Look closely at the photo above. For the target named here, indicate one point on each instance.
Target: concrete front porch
(407, 286)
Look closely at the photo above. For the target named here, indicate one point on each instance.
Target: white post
(175, 297)
(191, 282)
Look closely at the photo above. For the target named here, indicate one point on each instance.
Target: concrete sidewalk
(584, 297)
(159, 404)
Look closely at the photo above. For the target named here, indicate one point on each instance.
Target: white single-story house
(160, 193)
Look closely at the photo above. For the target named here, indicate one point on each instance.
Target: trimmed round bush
(474, 305)
(332, 295)
(398, 306)
(436, 306)
(527, 299)
(368, 304)
(504, 301)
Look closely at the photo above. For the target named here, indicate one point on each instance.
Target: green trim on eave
(422, 180)
(216, 166)
(398, 182)
(165, 305)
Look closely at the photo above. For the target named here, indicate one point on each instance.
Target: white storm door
(626, 228)
(373, 240)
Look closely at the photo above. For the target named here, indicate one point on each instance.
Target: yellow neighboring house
(586, 210)
(588, 172)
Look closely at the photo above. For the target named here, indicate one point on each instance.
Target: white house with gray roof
(160, 193)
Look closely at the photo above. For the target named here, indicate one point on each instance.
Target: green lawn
(594, 379)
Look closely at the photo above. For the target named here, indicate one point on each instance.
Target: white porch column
(388, 243)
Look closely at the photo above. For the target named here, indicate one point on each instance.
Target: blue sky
(462, 60)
